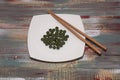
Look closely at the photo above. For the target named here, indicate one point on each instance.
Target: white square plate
(73, 49)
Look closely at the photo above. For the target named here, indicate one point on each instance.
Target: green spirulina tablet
(55, 38)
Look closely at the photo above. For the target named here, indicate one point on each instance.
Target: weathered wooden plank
(61, 74)
(23, 60)
(22, 72)
(25, 57)
(79, 11)
(78, 4)
(91, 19)
(89, 23)
(101, 20)
(83, 9)
(98, 65)
(71, 5)
(86, 74)
(102, 26)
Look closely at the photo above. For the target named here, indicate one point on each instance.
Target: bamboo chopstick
(75, 31)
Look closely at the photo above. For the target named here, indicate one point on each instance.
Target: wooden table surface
(101, 20)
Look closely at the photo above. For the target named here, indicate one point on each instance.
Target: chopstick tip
(105, 49)
(99, 53)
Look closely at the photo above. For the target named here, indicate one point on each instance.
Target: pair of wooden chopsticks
(75, 31)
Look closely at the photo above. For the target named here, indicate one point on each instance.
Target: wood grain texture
(101, 20)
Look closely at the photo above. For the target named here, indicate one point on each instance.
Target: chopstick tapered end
(99, 53)
(105, 49)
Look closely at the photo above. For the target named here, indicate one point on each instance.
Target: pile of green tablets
(55, 38)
